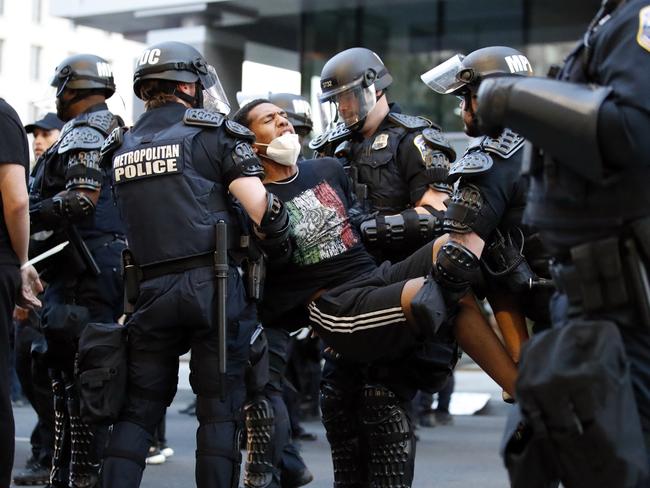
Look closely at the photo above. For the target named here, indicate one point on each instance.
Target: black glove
(493, 103)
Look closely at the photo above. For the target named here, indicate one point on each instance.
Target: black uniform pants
(175, 313)
(70, 302)
(9, 286)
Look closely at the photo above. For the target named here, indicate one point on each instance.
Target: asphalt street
(464, 454)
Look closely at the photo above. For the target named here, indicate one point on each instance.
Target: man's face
(63, 108)
(468, 107)
(43, 139)
(268, 121)
(348, 106)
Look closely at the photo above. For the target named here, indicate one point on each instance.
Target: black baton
(221, 273)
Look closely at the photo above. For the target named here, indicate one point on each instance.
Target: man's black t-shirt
(327, 249)
(13, 150)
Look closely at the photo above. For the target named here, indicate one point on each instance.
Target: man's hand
(31, 287)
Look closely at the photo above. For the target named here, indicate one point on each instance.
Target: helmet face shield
(443, 78)
(350, 103)
(214, 96)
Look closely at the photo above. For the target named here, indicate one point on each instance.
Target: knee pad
(260, 468)
(341, 426)
(390, 437)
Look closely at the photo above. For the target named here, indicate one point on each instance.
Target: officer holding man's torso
(173, 175)
(71, 201)
(590, 200)
(398, 164)
(397, 161)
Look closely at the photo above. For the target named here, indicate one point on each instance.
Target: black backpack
(102, 372)
(579, 420)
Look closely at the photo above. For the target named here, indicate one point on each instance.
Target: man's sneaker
(34, 474)
(155, 456)
(165, 450)
(443, 417)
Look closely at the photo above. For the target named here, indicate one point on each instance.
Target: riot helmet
(80, 76)
(349, 84)
(461, 73)
(181, 63)
(83, 72)
(298, 110)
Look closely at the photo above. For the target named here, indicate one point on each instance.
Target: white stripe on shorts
(355, 323)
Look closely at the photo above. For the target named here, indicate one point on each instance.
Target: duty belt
(152, 271)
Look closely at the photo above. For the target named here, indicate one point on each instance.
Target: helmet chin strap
(196, 101)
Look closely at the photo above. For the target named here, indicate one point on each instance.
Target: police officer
(399, 165)
(398, 162)
(71, 200)
(173, 174)
(588, 192)
(485, 212)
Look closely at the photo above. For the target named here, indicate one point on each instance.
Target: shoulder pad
(112, 142)
(201, 117)
(238, 130)
(505, 145)
(338, 133)
(84, 137)
(470, 164)
(409, 121)
(103, 120)
(437, 140)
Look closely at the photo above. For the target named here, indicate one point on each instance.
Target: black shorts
(363, 318)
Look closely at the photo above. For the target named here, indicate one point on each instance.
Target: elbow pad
(69, 207)
(457, 270)
(407, 229)
(274, 228)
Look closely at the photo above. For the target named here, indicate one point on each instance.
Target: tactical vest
(85, 132)
(567, 208)
(375, 159)
(169, 208)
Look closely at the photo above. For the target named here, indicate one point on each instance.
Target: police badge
(643, 36)
(380, 142)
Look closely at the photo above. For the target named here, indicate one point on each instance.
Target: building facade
(243, 38)
(33, 42)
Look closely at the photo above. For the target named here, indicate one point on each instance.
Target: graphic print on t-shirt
(319, 225)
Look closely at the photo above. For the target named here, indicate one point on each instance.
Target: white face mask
(284, 149)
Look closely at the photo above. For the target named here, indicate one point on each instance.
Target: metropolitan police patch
(643, 36)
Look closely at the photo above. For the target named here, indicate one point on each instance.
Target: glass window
(35, 63)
